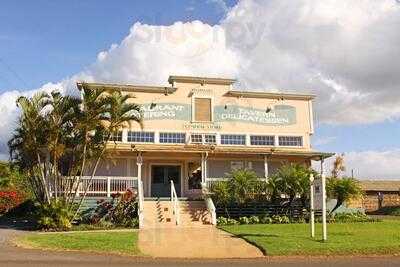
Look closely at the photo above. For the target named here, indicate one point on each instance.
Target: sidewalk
(206, 242)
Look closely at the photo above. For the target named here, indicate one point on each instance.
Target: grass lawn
(121, 242)
(343, 238)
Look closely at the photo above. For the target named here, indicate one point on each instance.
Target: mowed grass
(121, 242)
(343, 238)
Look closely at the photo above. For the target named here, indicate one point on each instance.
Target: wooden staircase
(159, 214)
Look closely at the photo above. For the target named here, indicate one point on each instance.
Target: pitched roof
(380, 185)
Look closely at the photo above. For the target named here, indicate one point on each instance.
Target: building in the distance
(199, 129)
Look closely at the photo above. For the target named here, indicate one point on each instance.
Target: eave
(253, 94)
(201, 80)
(269, 151)
(127, 87)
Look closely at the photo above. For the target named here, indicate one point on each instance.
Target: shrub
(265, 219)
(54, 216)
(254, 220)
(9, 200)
(231, 222)
(351, 218)
(244, 220)
(122, 210)
(222, 221)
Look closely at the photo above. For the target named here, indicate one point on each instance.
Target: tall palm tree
(118, 114)
(27, 141)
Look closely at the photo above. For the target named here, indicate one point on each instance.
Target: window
(172, 138)
(141, 137)
(233, 139)
(290, 141)
(116, 137)
(197, 138)
(202, 109)
(210, 138)
(262, 140)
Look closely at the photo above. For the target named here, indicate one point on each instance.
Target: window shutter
(202, 109)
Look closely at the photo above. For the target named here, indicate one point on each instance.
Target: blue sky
(49, 41)
(44, 40)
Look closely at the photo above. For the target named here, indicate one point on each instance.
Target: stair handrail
(140, 203)
(209, 203)
(175, 203)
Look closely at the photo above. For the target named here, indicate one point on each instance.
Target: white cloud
(368, 164)
(344, 51)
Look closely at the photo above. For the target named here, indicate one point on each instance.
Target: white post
(203, 172)
(312, 220)
(324, 230)
(108, 187)
(139, 162)
(266, 174)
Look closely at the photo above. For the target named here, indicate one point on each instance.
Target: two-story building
(199, 129)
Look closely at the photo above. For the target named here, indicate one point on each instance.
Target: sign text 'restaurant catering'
(279, 115)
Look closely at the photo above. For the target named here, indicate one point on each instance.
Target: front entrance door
(161, 175)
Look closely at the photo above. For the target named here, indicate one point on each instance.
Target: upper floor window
(202, 109)
(233, 139)
(141, 137)
(198, 138)
(172, 138)
(290, 140)
(116, 137)
(262, 140)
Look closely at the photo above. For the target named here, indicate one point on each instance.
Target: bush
(121, 211)
(10, 200)
(244, 220)
(54, 216)
(265, 219)
(351, 218)
(393, 211)
(254, 220)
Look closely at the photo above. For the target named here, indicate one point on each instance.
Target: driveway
(11, 256)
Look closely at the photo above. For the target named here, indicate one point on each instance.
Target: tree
(59, 139)
(343, 189)
(292, 180)
(338, 166)
(242, 185)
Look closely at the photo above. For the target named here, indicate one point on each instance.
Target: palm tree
(343, 189)
(338, 166)
(27, 141)
(118, 114)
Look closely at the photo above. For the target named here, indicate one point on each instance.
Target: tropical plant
(292, 180)
(338, 166)
(343, 189)
(243, 185)
(221, 195)
(59, 139)
(55, 215)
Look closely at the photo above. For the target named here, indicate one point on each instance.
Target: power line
(16, 75)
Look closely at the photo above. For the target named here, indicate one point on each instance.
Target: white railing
(175, 203)
(141, 203)
(209, 204)
(105, 185)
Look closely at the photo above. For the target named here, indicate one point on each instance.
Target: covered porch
(189, 168)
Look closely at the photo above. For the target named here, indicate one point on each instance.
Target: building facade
(197, 130)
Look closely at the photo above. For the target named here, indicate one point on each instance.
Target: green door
(161, 175)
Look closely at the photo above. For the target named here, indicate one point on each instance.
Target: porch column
(266, 174)
(139, 162)
(204, 167)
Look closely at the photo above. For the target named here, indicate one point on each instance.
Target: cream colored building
(199, 129)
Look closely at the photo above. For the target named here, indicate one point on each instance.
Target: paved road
(13, 257)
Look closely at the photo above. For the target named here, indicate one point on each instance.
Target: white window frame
(135, 142)
(203, 138)
(241, 134)
(290, 135)
(263, 135)
(172, 132)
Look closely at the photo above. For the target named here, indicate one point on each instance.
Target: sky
(345, 52)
